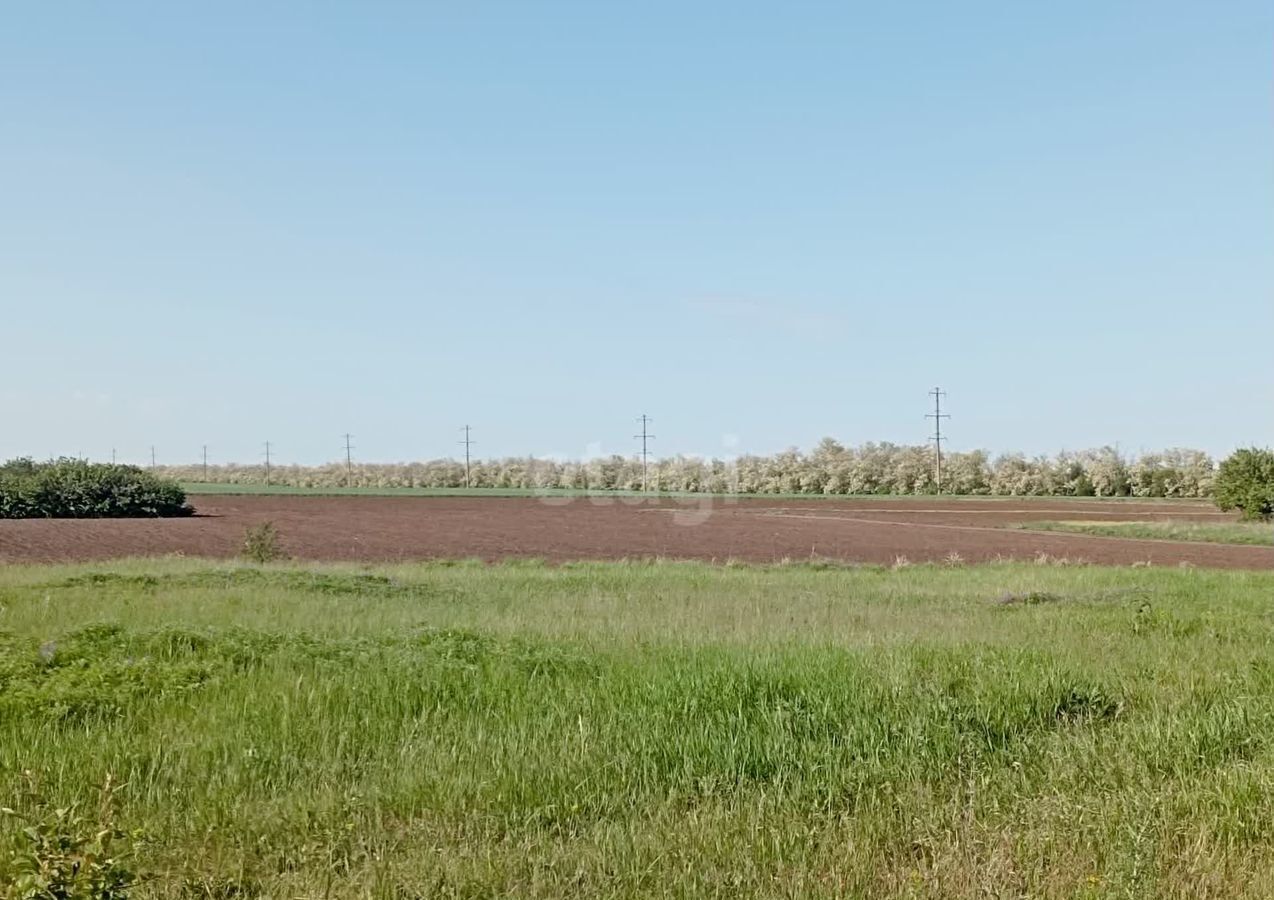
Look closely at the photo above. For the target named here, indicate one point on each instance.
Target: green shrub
(1245, 481)
(261, 543)
(74, 489)
(61, 854)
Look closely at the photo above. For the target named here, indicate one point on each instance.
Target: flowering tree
(830, 468)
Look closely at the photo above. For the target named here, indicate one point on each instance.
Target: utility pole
(205, 463)
(467, 444)
(645, 437)
(112, 456)
(937, 415)
(267, 463)
(349, 460)
(152, 456)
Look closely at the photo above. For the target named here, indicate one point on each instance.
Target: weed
(61, 854)
(1045, 559)
(261, 543)
(1027, 598)
(1086, 703)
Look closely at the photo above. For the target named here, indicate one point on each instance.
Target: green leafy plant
(61, 854)
(1245, 481)
(261, 543)
(76, 489)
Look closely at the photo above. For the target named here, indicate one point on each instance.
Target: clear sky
(761, 224)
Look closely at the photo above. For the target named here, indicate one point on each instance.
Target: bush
(1245, 481)
(261, 543)
(74, 489)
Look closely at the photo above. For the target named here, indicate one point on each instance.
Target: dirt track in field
(559, 529)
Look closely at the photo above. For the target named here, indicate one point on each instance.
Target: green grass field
(1216, 533)
(203, 487)
(669, 729)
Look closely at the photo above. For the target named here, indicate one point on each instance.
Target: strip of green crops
(1209, 532)
(654, 729)
(200, 487)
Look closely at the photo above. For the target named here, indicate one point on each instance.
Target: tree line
(830, 468)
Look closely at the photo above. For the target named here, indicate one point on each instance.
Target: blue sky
(759, 223)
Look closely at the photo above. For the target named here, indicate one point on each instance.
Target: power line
(349, 460)
(645, 437)
(937, 415)
(467, 444)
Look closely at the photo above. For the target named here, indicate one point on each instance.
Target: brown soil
(558, 529)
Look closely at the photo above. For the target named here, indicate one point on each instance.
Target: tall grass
(654, 729)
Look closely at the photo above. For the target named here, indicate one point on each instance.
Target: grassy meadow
(654, 729)
(248, 488)
(1211, 532)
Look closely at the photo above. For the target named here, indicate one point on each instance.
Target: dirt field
(557, 529)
